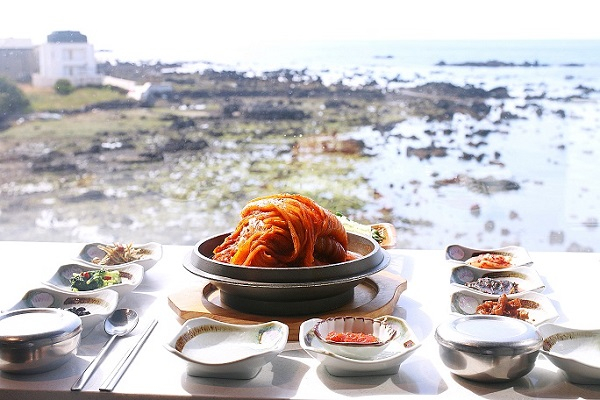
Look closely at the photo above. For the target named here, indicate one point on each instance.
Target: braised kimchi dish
(285, 230)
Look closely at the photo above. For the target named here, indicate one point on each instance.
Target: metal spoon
(119, 323)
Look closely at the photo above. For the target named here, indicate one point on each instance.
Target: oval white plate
(385, 363)
(527, 279)
(539, 307)
(459, 253)
(221, 350)
(91, 250)
(98, 304)
(575, 351)
(131, 277)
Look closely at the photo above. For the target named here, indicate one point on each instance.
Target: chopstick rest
(112, 380)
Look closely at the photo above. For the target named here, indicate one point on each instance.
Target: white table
(571, 281)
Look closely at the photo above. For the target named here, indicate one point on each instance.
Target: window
(459, 130)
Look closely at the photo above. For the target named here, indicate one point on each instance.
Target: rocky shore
(181, 167)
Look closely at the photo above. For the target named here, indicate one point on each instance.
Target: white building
(66, 55)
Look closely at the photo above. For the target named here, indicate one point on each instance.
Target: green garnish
(360, 229)
(90, 280)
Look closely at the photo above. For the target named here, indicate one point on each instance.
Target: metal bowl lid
(489, 334)
(39, 325)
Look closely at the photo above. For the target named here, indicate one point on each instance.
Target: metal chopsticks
(112, 380)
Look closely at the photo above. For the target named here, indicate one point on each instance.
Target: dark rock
(491, 64)
(90, 195)
(53, 161)
(425, 153)
(507, 115)
(486, 185)
(271, 112)
(152, 156)
(175, 145)
(480, 132)
(468, 91)
(182, 123)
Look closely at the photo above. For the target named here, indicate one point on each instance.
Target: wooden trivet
(374, 297)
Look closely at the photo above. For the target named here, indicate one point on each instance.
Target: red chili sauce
(351, 337)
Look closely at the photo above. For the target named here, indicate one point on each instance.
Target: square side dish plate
(575, 351)
(492, 259)
(108, 256)
(129, 277)
(218, 349)
(92, 308)
(532, 307)
(386, 362)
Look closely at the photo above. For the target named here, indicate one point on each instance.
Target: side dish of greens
(90, 280)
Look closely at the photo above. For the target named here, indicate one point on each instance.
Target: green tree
(12, 99)
(63, 86)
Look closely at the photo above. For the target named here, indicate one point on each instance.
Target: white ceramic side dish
(525, 278)
(575, 351)
(386, 362)
(538, 307)
(152, 254)
(98, 305)
(518, 255)
(216, 349)
(131, 277)
(378, 330)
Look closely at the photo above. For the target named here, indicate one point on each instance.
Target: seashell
(40, 299)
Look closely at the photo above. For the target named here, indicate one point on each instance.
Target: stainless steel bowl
(488, 348)
(37, 340)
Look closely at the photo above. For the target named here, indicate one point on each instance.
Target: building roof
(13, 43)
(67, 37)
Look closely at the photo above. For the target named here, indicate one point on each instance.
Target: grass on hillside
(88, 125)
(46, 99)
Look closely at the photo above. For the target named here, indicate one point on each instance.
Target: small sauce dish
(359, 338)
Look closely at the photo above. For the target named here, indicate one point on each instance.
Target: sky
(151, 27)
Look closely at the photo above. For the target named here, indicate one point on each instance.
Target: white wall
(72, 61)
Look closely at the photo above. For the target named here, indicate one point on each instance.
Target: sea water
(550, 149)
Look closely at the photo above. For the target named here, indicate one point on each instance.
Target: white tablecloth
(571, 283)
